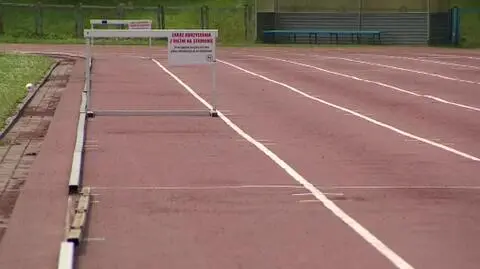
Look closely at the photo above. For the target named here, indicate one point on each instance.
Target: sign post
(194, 47)
(189, 48)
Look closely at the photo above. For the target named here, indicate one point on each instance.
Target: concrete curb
(75, 229)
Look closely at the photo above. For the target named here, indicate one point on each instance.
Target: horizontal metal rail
(124, 113)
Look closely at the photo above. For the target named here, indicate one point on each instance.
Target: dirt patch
(21, 145)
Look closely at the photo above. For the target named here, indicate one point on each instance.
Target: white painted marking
(453, 56)
(259, 140)
(334, 193)
(326, 193)
(66, 256)
(373, 187)
(309, 201)
(371, 120)
(408, 70)
(90, 239)
(451, 103)
(352, 223)
(420, 60)
(269, 144)
(187, 188)
(372, 82)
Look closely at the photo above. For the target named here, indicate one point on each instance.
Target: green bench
(314, 34)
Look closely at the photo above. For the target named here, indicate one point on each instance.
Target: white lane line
(451, 103)
(371, 120)
(393, 257)
(420, 60)
(446, 56)
(188, 188)
(378, 187)
(408, 70)
(372, 82)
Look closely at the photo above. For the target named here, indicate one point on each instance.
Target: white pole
(88, 69)
(91, 26)
(214, 80)
(214, 86)
(150, 47)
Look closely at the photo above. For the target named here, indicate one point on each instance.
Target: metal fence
(68, 21)
(401, 21)
(352, 5)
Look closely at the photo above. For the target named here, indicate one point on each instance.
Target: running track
(321, 159)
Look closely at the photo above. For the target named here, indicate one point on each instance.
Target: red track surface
(183, 192)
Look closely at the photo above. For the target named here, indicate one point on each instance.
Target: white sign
(189, 48)
(140, 25)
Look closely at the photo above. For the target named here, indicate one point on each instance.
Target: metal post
(214, 81)
(91, 27)
(255, 21)
(360, 15)
(428, 22)
(275, 13)
(150, 47)
(245, 21)
(214, 86)
(1, 19)
(88, 76)
(455, 25)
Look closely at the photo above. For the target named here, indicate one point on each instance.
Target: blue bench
(355, 35)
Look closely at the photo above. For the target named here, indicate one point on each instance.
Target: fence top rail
(36, 5)
(107, 33)
(122, 6)
(117, 22)
(314, 31)
(354, 11)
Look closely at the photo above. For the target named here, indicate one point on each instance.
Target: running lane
(464, 90)
(188, 192)
(425, 117)
(391, 184)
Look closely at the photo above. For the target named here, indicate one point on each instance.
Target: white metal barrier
(185, 47)
(131, 24)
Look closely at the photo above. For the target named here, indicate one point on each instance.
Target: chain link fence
(45, 21)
